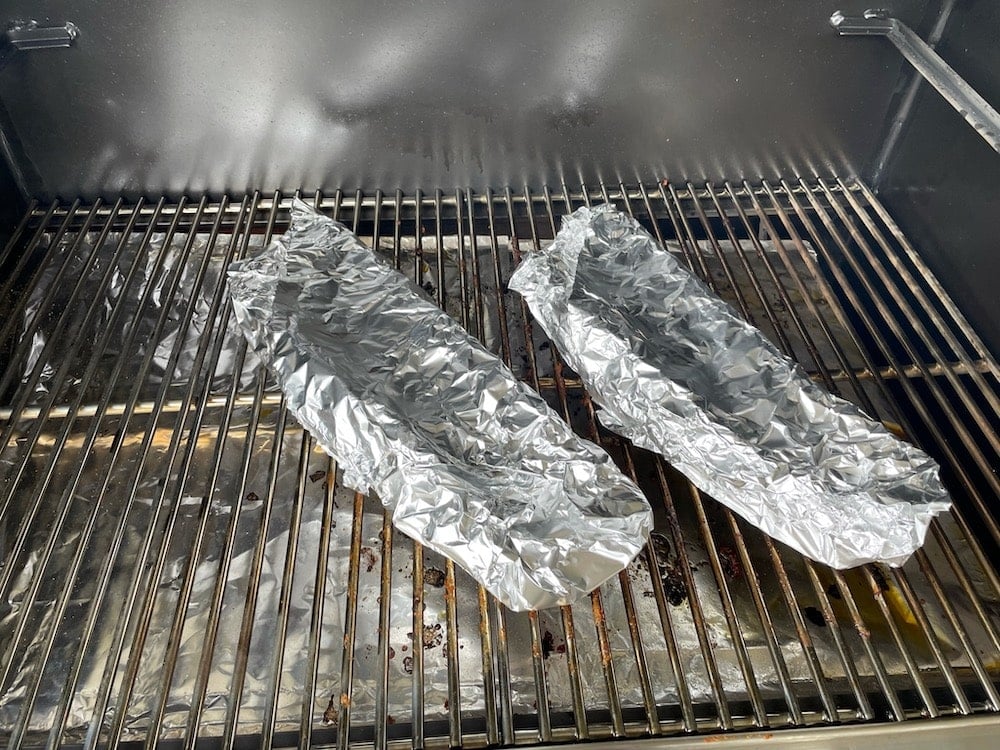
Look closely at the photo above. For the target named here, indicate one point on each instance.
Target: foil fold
(469, 460)
(679, 372)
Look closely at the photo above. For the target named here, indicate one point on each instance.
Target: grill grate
(181, 562)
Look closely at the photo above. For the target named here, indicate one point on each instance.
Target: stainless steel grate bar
(189, 608)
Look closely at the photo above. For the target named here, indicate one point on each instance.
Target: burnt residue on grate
(671, 573)
(434, 577)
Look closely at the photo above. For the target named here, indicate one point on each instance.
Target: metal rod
(285, 594)
(463, 290)
(26, 255)
(917, 609)
(503, 671)
(489, 679)
(604, 643)
(417, 644)
(729, 611)
(439, 247)
(979, 349)
(955, 621)
(319, 588)
(417, 699)
(157, 562)
(501, 283)
(818, 278)
(385, 570)
(607, 663)
(351, 603)
(418, 242)
(582, 731)
(538, 667)
(62, 601)
(477, 288)
(397, 230)
(506, 710)
(960, 95)
(874, 658)
(750, 575)
(697, 614)
(376, 224)
(350, 626)
(745, 311)
(451, 648)
(121, 628)
(986, 423)
(541, 687)
(15, 236)
(104, 575)
(222, 575)
(898, 332)
(485, 631)
(385, 599)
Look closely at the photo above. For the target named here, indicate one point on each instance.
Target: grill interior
(180, 562)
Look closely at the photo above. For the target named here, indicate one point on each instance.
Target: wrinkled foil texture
(678, 372)
(469, 460)
(53, 316)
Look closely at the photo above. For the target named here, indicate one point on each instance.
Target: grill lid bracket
(959, 94)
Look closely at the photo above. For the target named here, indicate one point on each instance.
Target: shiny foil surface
(469, 460)
(677, 371)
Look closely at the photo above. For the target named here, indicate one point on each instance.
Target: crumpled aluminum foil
(468, 459)
(679, 372)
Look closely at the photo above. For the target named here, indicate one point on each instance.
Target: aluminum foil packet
(470, 461)
(679, 372)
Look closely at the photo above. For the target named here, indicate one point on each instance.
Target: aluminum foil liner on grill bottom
(470, 461)
(677, 371)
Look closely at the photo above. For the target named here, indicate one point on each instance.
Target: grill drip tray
(181, 562)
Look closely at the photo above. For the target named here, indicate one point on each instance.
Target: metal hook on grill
(22, 36)
(959, 94)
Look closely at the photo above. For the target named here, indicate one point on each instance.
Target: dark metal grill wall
(190, 96)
